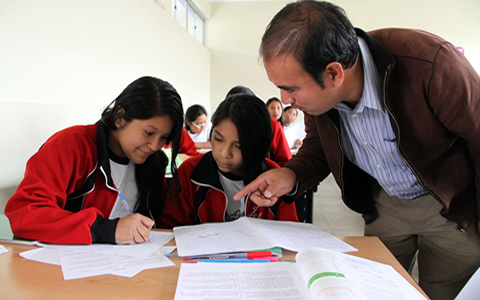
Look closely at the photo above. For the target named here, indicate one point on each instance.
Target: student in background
(279, 149)
(290, 115)
(187, 145)
(240, 140)
(105, 182)
(198, 126)
(275, 108)
(294, 131)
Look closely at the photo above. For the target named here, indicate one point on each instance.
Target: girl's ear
(120, 118)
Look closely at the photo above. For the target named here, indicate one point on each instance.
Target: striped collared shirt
(368, 139)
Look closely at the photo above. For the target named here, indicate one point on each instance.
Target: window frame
(188, 14)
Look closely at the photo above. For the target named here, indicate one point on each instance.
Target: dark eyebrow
(155, 129)
(217, 132)
(286, 87)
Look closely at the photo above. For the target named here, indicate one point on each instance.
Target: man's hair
(315, 33)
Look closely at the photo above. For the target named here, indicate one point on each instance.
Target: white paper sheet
(472, 289)
(43, 255)
(93, 260)
(266, 281)
(76, 264)
(157, 241)
(247, 234)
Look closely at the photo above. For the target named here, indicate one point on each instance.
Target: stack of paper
(249, 234)
(100, 259)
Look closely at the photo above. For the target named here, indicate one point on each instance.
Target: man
(393, 114)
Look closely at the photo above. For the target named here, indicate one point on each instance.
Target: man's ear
(120, 118)
(334, 74)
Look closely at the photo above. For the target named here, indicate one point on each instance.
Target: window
(189, 17)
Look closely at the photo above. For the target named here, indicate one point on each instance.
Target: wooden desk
(25, 279)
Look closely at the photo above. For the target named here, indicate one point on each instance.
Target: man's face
(298, 88)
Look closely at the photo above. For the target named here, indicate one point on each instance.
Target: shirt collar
(371, 84)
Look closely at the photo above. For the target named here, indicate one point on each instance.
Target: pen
(230, 261)
(125, 203)
(215, 257)
(233, 255)
(258, 254)
(270, 258)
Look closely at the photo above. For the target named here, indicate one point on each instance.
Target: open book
(317, 274)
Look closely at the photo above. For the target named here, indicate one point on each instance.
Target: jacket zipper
(400, 152)
(226, 199)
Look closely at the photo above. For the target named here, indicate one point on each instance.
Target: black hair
(192, 113)
(316, 33)
(240, 89)
(287, 108)
(145, 98)
(275, 99)
(254, 126)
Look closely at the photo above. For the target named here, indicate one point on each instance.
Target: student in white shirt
(294, 131)
(198, 126)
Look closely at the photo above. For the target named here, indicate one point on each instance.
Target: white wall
(63, 61)
(235, 30)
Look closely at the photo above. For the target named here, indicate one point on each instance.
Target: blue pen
(125, 203)
(233, 260)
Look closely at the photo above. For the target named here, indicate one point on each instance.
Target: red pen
(258, 254)
(248, 255)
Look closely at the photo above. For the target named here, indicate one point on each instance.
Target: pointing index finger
(243, 192)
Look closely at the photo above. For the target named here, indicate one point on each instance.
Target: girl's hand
(133, 229)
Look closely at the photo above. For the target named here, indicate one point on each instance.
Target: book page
(334, 275)
(254, 281)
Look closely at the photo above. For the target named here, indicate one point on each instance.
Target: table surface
(25, 279)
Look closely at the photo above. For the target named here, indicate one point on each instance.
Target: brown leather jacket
(432, 94)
